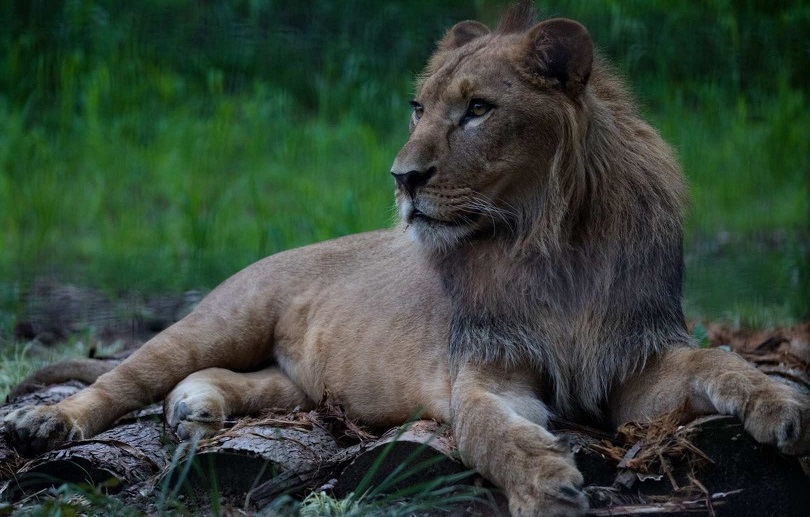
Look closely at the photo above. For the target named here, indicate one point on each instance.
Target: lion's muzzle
(410, 179)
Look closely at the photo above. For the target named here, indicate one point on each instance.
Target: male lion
(537, 269)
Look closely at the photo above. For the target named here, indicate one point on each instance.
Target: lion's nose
(413, 179)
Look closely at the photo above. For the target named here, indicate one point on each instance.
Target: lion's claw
(36, 429)
(775, 415)
(548, 485)
(561, 501)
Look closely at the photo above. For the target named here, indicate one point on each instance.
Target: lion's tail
(84, 370)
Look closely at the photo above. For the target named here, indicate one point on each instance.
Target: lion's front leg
(499, 424)
(715, 381)
(199, 341)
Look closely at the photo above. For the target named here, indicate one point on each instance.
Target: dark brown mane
(520, 17)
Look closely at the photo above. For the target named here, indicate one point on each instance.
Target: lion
(537, 270)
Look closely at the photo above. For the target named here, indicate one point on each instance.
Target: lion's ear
(559, 50)
(462, 33)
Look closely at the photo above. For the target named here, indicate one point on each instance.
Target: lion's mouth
(417, 216)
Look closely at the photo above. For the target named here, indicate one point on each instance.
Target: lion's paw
(778, 416)
(36, 429)
(195, 416)
(551, 487)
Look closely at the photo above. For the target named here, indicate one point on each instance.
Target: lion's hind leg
(200, 404)
(715, 381)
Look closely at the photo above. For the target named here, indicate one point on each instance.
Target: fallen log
(403, 457)
(658, 468)
(707, 466)
(266, 458)
(128, 453)
(254, 453)
(117, 458)
(10, 461)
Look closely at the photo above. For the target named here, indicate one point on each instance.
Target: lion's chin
(431, 233)
(437, 236)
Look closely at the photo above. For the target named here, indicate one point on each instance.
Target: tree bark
(710, 465)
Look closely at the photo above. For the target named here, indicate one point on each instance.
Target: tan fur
(537, 269)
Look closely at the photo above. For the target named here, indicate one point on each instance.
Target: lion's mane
(584, 282)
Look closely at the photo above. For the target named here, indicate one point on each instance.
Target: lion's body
(538, 269)
(336, 329)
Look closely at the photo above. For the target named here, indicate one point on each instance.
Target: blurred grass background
(163, 145)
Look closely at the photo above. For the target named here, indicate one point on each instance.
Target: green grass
(129, 162)
(747, 239)
(18, 360)
(744, 159)
(209, 193)
(205, 196)
(69, 500)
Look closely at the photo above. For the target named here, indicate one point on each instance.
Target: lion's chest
(373, 343)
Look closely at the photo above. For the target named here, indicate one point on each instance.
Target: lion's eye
(417, 110)
(477, 108)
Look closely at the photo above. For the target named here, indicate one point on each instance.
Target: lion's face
(483, 134)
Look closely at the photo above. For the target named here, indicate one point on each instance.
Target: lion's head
(513, 132)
